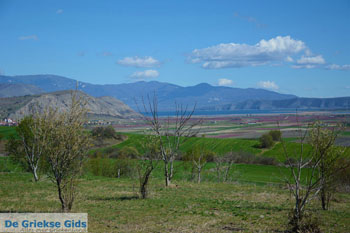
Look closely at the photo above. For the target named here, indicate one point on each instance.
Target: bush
(266, 141)
(308, 224)
(105, 132)
(128, 152)
(276, 135)
(343, 177)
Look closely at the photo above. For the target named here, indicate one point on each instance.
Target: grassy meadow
(113, 205)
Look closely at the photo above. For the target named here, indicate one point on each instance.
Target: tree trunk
(60, 196)
(171, 170)
(144, 184)
(166, 174)
(199, 175)
(36, 177)
(323, 198)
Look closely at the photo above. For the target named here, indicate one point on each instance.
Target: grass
(219, 146)
(224, 145)
(7, 131)
(293, 150)
(113, 205)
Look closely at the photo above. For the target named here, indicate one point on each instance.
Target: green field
(7, 131)
(219, 146)
(224, 145)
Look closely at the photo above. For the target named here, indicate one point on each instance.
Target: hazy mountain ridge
(18, 107)
(295, 103)
(204, 95)
(18, 89)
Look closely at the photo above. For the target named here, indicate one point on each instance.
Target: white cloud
(145, 74)
(268, 85)
(29, 37)
(139, 61)
(239, 55)
(303, 66)
(59, 11)
(289, 59)
(311, 60)
(225, 82)
(338, 67)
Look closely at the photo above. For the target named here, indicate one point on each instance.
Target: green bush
(100, 132)
(128, 152)
(266, 141)
(276, 135)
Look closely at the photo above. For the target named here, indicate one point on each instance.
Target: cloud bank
(234, 55)
(276, 51)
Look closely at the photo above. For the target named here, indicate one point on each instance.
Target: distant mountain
(295, 103)
(204, 95)
(18, 107)
(19, 89)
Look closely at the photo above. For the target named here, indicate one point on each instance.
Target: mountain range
(205, 96)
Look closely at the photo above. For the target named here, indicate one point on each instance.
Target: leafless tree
(223, 166)
(171, 131)
(304, 181)
(148, 162)
(199, 157)
(322, 140)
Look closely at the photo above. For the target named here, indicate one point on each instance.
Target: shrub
(266, 141)
(276, 135)
(308, 223)
(105, 132)
(128, 152)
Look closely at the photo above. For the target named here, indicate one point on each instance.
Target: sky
(295, 47)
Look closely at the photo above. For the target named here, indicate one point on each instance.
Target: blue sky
(297, 47)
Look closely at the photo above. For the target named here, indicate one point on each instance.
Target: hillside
(18, 89)
(18, 107)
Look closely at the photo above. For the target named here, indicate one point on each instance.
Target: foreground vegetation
(113, 205)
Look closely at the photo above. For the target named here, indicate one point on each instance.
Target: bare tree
(323, 142)
(66, 148)
(304, 181)
(148, 162)
(171, 131)
(223, 166)
(199, 157)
